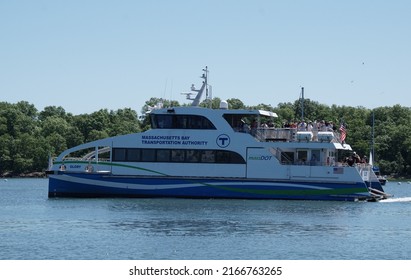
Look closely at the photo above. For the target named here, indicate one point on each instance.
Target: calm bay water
(35, 227)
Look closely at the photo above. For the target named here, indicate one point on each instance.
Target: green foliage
(235, 103)
(29, 137)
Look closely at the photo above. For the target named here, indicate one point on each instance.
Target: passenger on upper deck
(270, 124)
(328, 126)
(302, 126)
(264, 125)
(315, 131)
(310, 126)
(356, 158)
(349, 160)
(254, 126)
(244, 127)
(322, 126)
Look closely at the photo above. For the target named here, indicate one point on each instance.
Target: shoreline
(25, 175)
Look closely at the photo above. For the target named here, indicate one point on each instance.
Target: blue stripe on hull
(97, 185)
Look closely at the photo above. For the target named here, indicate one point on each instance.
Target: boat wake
(397, 199)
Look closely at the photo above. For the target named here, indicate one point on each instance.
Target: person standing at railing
(262, 131)
(254, 126)
(270, 124)
(264, 125)
(302, 126)
(328, 126)
(309, 126)
(315, 130)
(321, 126)
(356, 158)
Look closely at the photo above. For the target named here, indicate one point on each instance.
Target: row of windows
(180, 122)
(168, 155)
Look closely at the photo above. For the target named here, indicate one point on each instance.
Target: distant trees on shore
(28, 137)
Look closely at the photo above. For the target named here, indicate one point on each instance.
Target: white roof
(342, 147)
(268, 113)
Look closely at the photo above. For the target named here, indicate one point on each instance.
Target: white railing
(290, 134)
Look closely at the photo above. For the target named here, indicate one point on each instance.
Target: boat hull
(105, 185)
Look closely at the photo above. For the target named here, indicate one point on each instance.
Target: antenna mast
(302, 103)
(197, 99)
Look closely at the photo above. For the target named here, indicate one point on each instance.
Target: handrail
(82, 159)
(269, 134)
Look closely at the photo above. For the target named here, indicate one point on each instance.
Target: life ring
(89, 168)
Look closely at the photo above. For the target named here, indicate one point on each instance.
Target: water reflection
(185, 217)
(209, 227)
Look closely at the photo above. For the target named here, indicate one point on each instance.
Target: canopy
(339, 146)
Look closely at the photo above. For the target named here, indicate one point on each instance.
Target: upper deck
(258, 123)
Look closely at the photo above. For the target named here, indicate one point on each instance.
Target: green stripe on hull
(344, 191)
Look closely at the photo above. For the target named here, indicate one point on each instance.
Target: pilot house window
(180, 122)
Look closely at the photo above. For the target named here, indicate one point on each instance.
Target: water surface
(33, 226)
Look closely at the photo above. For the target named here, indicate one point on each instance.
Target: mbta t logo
(223, 140)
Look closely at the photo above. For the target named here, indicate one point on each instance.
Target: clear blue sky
(88, 55)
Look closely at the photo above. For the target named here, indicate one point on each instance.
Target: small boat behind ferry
(196, 152)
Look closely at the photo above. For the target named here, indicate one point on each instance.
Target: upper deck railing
(294, 135)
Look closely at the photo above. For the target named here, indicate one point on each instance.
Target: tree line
(28, 136)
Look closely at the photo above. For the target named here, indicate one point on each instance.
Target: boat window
(287, 157)
(234, 121)
(181, 122)
(236, 158)
(180, 155)
(243, 122)
(228, 157)
(163, 121)
(163, 155)
(199, 122)
(119, 154)
(193, 156)
(148, 155)
(223, 157)
(208, 156)
(133, 154)
(315, 157)
(302, 157)
(177, 155)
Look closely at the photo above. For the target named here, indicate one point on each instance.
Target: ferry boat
(197, 152)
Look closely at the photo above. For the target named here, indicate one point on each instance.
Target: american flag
(343, 134)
